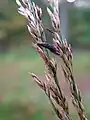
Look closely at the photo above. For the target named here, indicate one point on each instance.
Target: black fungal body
(50, 47)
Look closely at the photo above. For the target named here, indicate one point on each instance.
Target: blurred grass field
(17, 86)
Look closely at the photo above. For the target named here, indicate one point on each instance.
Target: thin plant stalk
(66, 56)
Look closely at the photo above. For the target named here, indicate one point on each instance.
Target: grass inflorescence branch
(60, 47)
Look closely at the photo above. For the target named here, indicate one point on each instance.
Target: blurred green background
(20, 97)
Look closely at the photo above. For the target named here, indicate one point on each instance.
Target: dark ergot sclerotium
(50, 47)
